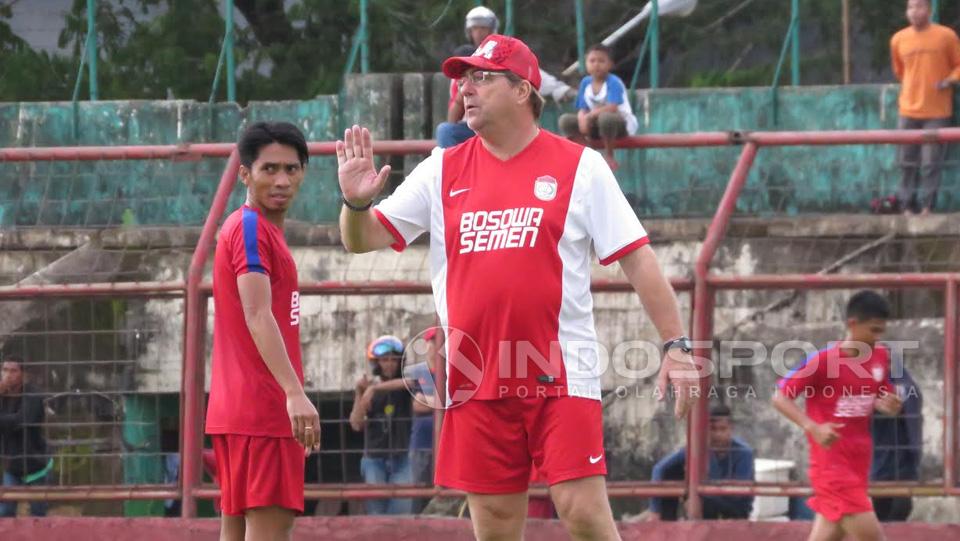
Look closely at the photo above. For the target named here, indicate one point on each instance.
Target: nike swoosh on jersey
(454, 193)
(595, 459)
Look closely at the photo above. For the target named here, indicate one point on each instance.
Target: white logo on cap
(545, 188)
(486, 50)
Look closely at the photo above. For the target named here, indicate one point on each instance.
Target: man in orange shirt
(926, 60)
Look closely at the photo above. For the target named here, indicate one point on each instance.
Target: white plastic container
(768, 471)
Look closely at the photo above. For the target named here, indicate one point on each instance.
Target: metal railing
(791, 42)
(704, 286)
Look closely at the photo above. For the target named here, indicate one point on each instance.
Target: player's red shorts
(256, 471)
(488, 446)
(836, 498)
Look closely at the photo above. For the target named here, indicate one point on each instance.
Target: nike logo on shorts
(454, 193)
(595, 459)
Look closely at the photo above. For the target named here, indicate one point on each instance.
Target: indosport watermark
(527, 369)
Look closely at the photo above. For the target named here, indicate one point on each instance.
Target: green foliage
(35, 76)
(154, 49)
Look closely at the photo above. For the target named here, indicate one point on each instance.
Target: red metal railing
(704, 286)
(707, 285)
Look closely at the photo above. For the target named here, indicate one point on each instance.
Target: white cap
(481, 16)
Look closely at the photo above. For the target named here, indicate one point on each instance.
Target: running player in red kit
(515, 216)
(842, 385)
(260, 420)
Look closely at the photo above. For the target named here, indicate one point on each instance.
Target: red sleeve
(250, 245)
(805, 375)
(399, 243)
(616, 256)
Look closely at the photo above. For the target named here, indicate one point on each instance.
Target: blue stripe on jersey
(798, 368)
(250, 241)
(615, 89)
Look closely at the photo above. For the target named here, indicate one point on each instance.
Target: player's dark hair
(601, 48)
(720, 410)
(261, 134)
(866, 305)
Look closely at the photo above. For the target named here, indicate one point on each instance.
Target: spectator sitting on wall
(22, 444)
(382, 409)
(603, 108)
(480, 23)
(730, 459)
(926, 61)
(898, 443)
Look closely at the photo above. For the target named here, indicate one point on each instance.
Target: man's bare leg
(584, 509)
(824, 530)
(498, 517)
(232, 527)
(269, 524)
(862, 527)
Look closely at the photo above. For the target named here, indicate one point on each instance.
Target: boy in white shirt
(603, 110)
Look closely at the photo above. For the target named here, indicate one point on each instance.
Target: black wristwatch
(682, 343)
(356, 208)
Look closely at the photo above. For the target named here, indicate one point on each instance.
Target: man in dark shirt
(382, 410)
(23, 448)
(730, 458)
(898, 443)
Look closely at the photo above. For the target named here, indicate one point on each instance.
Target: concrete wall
(661, 183)
(335, 329)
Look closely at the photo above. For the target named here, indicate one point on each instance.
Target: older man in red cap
(514, 217)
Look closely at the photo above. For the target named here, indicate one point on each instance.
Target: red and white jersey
(841, 389)
(510, 252)
(245, 398)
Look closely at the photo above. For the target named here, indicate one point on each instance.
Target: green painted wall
(783, 180)
(147, 192)
(659, 182)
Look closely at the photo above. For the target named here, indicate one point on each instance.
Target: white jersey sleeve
(611, 222)
(406, 213)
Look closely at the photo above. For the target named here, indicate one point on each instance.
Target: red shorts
(488, 446)
(837, 498)
(256, 471)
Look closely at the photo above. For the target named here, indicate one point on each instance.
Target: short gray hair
(536, 99)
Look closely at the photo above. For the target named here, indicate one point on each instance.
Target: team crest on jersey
(877, 372)
(545, 188)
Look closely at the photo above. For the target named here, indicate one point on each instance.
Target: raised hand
(359, 180)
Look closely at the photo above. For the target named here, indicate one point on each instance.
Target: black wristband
(356, 208)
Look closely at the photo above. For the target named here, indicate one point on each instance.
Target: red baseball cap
(498, 53)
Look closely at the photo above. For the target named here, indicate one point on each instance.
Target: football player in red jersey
(515, 216)
(843, 385)
(260, 420)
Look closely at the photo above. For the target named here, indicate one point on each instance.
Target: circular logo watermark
(450, 370)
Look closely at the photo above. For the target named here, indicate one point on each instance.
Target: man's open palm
(359, 180)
